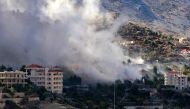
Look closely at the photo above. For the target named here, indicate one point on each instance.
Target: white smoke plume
(63, 32)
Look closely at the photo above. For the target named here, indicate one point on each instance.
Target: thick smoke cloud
(63, 32)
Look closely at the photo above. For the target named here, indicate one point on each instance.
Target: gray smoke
(63, 32)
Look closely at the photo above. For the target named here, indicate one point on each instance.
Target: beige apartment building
(9, 78)
(50, 78)
(177, 79)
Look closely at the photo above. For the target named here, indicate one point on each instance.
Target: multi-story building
(50, 78)
(10, 78)
(179, 80)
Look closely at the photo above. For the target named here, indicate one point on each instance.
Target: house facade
(9, 78)
(179, 80)
(50, 78)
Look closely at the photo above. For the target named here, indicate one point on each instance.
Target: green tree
(2, 68)
(9, 69)
(73, 80)
(186, 69)
(23, 68)
(11, 105)
(155, 70)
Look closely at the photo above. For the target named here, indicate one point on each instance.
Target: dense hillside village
(151, 45)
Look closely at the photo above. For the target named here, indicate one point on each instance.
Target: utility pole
(114, 96)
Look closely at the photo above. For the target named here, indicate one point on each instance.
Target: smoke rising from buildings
(63, 32)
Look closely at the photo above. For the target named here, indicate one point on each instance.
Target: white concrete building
(50, 78)
(180, 81)
(9, 78)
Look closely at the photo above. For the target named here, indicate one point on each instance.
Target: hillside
(170, 15)
(151, 45)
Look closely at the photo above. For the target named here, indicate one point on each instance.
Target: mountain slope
(172, 12)
(171, 15)
(132, 8)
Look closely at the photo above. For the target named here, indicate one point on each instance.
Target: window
(55, 74)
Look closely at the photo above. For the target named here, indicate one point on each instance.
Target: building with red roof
(50, 78)
(33, 66)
